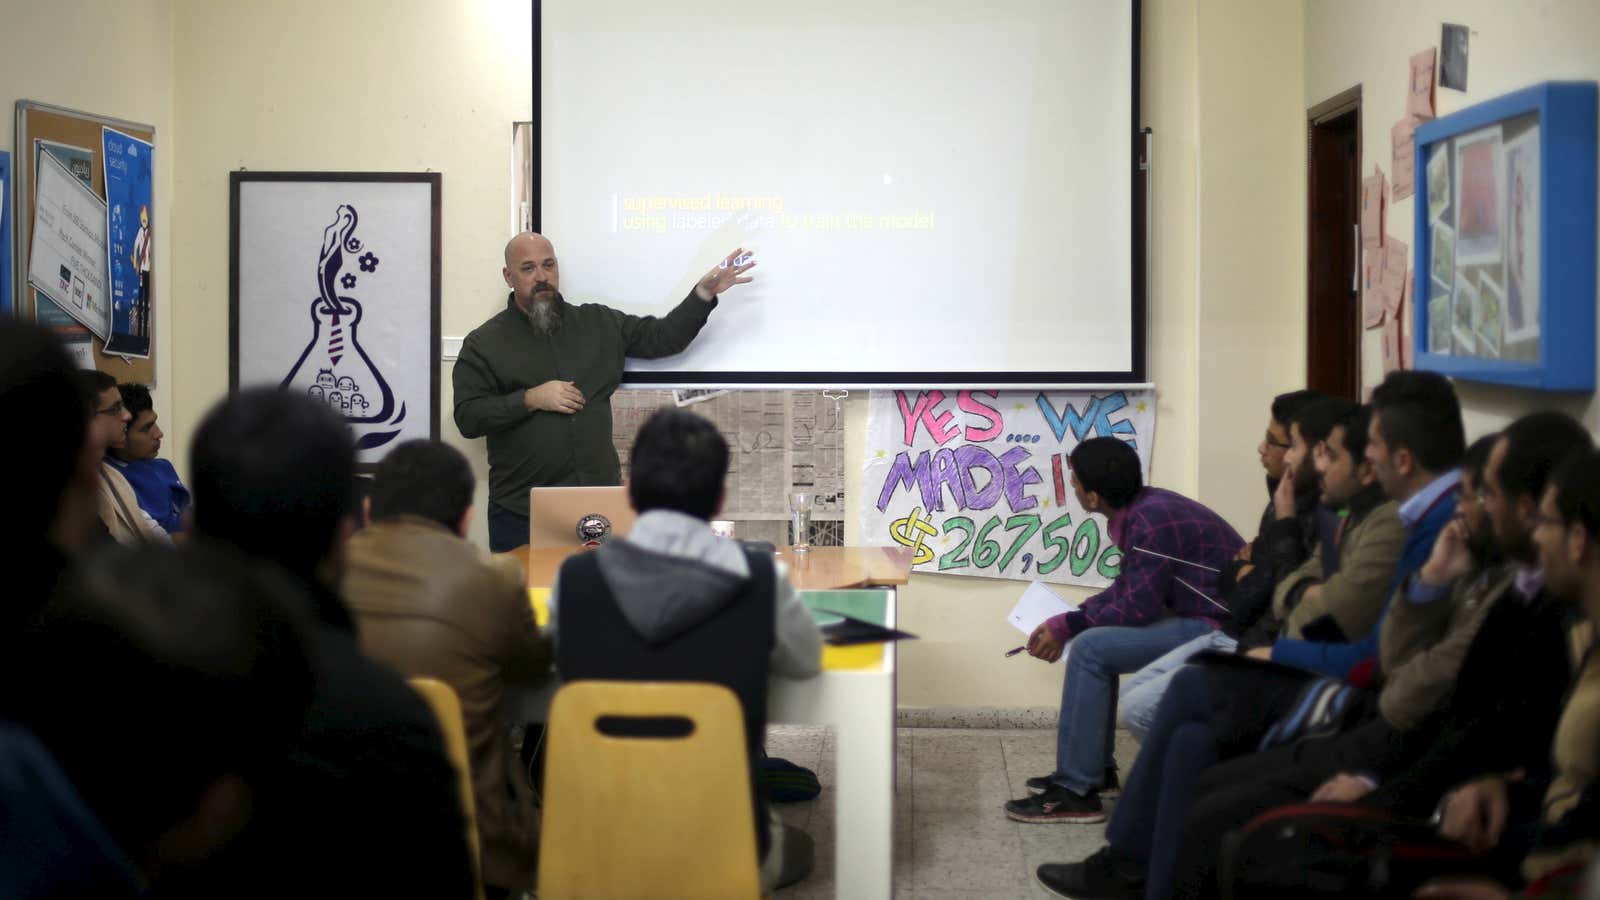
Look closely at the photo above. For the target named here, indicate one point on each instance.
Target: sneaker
(1101, 876)
(1057, 805)
(1108, 791)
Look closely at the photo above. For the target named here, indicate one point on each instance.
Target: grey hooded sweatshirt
(671, 573)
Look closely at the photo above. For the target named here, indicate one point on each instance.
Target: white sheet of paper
(67, 259)
(1038, 603)
(82, 353)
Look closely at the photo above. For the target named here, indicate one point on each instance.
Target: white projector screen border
(1138, 279)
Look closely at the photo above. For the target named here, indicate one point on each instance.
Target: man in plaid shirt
(1166, 595)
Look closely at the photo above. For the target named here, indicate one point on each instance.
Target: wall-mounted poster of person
(335, 296)
(130, 241)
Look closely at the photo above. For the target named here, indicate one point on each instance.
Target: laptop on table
(577, 516)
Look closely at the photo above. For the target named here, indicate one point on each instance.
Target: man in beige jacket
(432, 605)
(1339, 593)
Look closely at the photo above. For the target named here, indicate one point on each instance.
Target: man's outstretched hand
(725, 275)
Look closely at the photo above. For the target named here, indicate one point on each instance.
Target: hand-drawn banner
(979, 482)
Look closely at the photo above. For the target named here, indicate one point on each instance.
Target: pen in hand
(1015, 650)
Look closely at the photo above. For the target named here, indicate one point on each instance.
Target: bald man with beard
(536, 379)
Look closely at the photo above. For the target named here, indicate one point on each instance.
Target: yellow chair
(441, 698)
(647, 818)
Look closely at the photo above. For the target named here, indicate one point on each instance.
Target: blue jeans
(1089, 692)
(1147, 823)
(1141, 692)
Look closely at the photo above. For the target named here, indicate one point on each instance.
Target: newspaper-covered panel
(779, 442)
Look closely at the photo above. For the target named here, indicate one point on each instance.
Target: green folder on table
(852, 617)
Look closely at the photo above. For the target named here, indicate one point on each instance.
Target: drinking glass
(800, 517)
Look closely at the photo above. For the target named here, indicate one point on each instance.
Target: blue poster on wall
(5, 234)
(129, 242)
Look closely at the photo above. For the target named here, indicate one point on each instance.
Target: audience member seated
(1339, 591)
(125, 522)
(1288, 534)
(368, 804)
(1533, 829)
(1466, 717)
(52, 496)
(1217, 711)
(1567, 537)
(431, 605)
(155, 482)
(1173, 549)
(1561, 862)
(1275, 447)
(1292, 532)
(164, 690)
(674, 602)
(1142, 834)
(1414, 441)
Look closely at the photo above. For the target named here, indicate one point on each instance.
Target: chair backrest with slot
(647, 794)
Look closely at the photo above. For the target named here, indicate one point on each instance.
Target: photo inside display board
(1483, 227)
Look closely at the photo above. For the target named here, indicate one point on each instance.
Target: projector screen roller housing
(936, 193)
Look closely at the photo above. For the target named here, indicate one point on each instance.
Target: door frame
(1340, 104)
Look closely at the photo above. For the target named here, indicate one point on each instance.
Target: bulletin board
(40, 121)
(1507, 247)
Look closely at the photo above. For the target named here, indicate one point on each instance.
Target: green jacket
(1421, 645)
(506, 355)
(1355, 593)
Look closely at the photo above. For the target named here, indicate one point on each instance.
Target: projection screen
(935, 192)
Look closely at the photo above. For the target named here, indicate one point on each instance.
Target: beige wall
(363, 85)
(1513, 45)
(1251, 244)
(57, 53)
(1226, 314)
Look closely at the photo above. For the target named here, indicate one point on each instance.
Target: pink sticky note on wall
(1419, 96)
(1396, 260)
(1372, 210)
(1372, 305)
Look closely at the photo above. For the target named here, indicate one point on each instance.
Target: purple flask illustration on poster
(334, 368)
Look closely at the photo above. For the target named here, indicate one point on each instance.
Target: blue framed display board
(6, 203)
(1505, 240)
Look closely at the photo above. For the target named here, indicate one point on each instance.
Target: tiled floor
(952, 840)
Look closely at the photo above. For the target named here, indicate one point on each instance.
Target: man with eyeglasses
(124, 521)
(1274, 449)
(1566, 537)
(1482, 698)
(1287, 537)
(1339, 592)
(1496, 710)
(155, 482)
